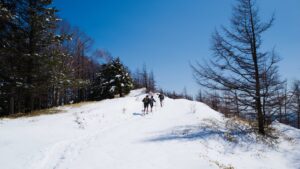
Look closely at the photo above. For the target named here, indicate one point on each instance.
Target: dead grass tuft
(35, 113)
(76, 105)
(222, 166)
(49, 111)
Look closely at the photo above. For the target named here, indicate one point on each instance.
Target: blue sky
(167, 35)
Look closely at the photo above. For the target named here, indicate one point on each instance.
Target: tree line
(46, 62)
(287, 108)
(242, 77)
(143, 78)
(177, 95)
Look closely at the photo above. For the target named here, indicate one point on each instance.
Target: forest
(46, 62)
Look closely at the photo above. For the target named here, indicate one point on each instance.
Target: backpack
(146, 100)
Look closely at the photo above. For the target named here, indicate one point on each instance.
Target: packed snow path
(113, 134)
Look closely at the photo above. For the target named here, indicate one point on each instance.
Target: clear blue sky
(167, 35)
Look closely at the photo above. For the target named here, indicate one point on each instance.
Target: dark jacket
(161, 97)
(152, 100)
(146, 101)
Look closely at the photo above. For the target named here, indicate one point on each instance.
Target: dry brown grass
(243, 121)
(49, 111)
(222, 166)
(76, 105)
(35, 113)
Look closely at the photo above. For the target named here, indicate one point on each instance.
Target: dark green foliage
(8, 50)
(40, 26)
(44, 62)
(36, 68)
(113, 79)
(27, 37)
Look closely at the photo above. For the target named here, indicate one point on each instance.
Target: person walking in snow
(152, 100)
(146, 102)
(161, 99)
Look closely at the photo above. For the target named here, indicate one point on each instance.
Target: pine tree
(113, 79)
(27, 39)
(41, 21)
(8, 55)
(41, 64)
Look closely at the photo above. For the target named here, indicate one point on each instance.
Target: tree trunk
(40, 102)
(298, 112)
(299, 118)
(57, 98)
(120, 92)
(280, 113)
(258, 104)
(54, 97)
(12, 105)
(237, 104)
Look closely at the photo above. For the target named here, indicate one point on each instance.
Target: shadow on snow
(138, 114)
(229, 133)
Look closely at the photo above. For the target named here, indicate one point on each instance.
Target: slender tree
(295, 102)
(199, 96)
(40, 25)
(137, 79)
(239, 65)
(9, 78)
(151, 82)
(145, 77)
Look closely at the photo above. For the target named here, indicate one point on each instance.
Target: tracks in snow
(61, 153)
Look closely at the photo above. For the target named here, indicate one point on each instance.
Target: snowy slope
(113, 134)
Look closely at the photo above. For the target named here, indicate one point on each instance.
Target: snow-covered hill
(113, 134)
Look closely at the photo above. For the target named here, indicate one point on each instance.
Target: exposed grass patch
(242, 132)
(222, 166)
(34, 113)
(76, 105)
(49, 111)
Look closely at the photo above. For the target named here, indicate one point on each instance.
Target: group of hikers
(149, 101)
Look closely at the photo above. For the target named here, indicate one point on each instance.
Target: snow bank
(114, 134)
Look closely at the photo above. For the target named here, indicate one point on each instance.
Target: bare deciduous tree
(295, 102)
(239, 65)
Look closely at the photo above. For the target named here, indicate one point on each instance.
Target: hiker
(161, 99)
(152, 100)
(146, 102)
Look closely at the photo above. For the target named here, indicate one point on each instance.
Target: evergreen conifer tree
(40, 26)
(113, 79)
(28, 37)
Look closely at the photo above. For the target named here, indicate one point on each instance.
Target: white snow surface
(114, 134)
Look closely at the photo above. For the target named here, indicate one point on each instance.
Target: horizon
(167, 36)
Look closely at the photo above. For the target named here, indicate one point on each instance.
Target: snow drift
(114, 134)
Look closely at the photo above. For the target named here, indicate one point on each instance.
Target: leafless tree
(239, 65)
(295, 102)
